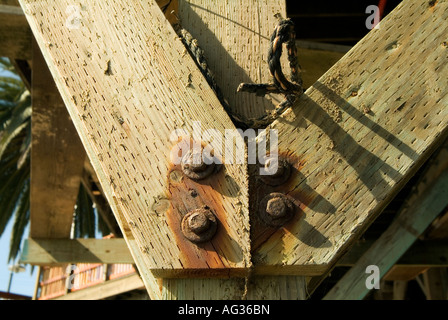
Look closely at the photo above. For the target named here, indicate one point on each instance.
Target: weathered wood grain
(357, 135)
(52, 252)
(255, 288)
(235, 38)
(128, 84)
(428, 200)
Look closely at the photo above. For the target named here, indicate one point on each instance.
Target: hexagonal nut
(284, 169)
(194, 167)
(276, 209)
(199, 225)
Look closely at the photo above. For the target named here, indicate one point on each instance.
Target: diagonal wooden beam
(57, 158)
(356, 137)
(429, 199)
(128, 84)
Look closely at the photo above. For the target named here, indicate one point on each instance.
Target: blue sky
(22, 283)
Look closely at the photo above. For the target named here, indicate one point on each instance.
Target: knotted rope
(283, 33)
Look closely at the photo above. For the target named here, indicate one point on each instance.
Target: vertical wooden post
(57, 157)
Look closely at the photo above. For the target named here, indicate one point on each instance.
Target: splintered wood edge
(126, 90)
(360, 132)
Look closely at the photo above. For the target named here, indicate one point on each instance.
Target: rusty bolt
(194, 166)
(199, 225)
(280, 176)
(198, 222)
(276, 209)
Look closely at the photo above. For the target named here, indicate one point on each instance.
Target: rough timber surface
(57, 158)
(428, 199)
(357, 135)
(128, 84)
(235, 38)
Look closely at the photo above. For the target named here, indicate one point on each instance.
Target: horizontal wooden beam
(60, 251)
(13, 296)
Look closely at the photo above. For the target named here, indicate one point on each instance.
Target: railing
(60, 280)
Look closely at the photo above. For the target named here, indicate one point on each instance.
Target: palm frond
(21, 221)
(84, 215)
(18, 121)
(10, 194)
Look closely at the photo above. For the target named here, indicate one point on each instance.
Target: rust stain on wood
(260, 232)
(186, 195)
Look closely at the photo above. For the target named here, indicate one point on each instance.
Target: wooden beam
(57, 158)
(12, 296)
(404, 273)
(235, 37)
(127, 89)
(105, 290)
(10, 3)
(93, 188)
(424, 254)
(436, 284)
(15, 33)
(430, 197)
(439, 228)
(52, 252)
(255, 288)
(356, 137)
(400, 288)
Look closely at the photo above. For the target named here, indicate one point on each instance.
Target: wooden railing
(61, 280)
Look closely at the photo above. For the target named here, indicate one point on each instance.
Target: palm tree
(15, 145)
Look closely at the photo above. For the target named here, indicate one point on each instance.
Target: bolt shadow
(303, 196)
(370, 168)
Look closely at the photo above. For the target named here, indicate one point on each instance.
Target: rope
(284, 32)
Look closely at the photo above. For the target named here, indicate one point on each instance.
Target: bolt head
(281, 174)
(281, 167)
(194, 166)
(198, 222)
(199, 225)
(193, 161)
(276, 207)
